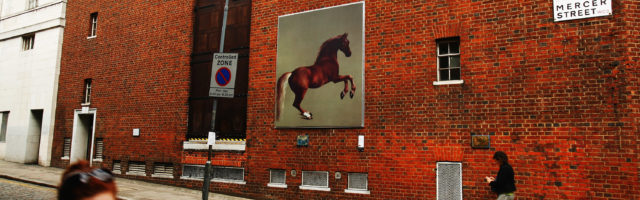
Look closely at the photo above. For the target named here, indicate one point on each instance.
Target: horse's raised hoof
(342, 95)
(351, 94)
(307, 115)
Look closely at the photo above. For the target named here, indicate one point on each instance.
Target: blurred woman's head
(82, 182)
(501, 157)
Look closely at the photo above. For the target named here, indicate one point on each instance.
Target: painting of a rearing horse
(325, 69)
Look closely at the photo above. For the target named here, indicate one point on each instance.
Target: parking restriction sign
(223, 75)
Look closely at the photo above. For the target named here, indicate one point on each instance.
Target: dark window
(32, 4)
(93, 24)
(449, 59)
(4, 118)
(87, 91)
(230, 116)
(28, 42)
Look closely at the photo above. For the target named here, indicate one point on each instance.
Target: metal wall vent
(163, 170)
(136, 168)
(67, 147)
(116, 167)
(99, 148)
(449, 180)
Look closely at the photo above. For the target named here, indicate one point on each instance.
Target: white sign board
(578, 9)
(223, 75)
(212, 138)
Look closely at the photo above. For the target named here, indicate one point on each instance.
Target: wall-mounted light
(360, 142)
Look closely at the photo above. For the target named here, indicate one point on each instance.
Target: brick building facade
(561, 98)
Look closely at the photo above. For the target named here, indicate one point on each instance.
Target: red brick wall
(139, 63)
(560, 98)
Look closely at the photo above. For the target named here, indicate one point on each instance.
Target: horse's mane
(325, 45)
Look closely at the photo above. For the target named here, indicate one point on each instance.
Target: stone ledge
(219, 146)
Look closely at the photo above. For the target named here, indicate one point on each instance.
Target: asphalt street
(10, 190)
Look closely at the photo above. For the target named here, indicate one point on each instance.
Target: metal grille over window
(67, 147)
(358, 181)
(163, 170)
(449, 180)
(193, 171)
(136, 168)
(315, 180)
(231, 174)
(449, 59)
(28, 42)
(32, 4)
(277, 178)
(116, 167)
(99, 148)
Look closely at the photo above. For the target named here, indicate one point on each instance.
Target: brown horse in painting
(323, 71)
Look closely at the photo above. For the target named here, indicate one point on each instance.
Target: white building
(30, 48)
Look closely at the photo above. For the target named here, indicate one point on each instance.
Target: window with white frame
(4, 118)
(87, 91)
(358, 183)
(93, 24)
(449, 180)
(31, 4)
(277, 178)
(28, 42)
(449, 59)
(315, 180)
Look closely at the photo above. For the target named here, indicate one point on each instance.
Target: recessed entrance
(33, 136)
(82, 139)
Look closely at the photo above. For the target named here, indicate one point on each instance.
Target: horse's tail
(280, 91)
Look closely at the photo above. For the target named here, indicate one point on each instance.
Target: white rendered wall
(29, 79)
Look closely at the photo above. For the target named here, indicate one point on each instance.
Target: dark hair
(501, 156)
(81, 181)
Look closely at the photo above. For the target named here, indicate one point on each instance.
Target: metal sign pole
(207, 179)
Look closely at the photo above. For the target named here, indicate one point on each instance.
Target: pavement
(127, 189)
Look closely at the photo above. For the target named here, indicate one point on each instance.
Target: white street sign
(223, 75)
(578, 9)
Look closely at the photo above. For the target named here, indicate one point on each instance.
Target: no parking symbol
(223, 75)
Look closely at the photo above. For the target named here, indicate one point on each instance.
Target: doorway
(33, 136)
(83, 134)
